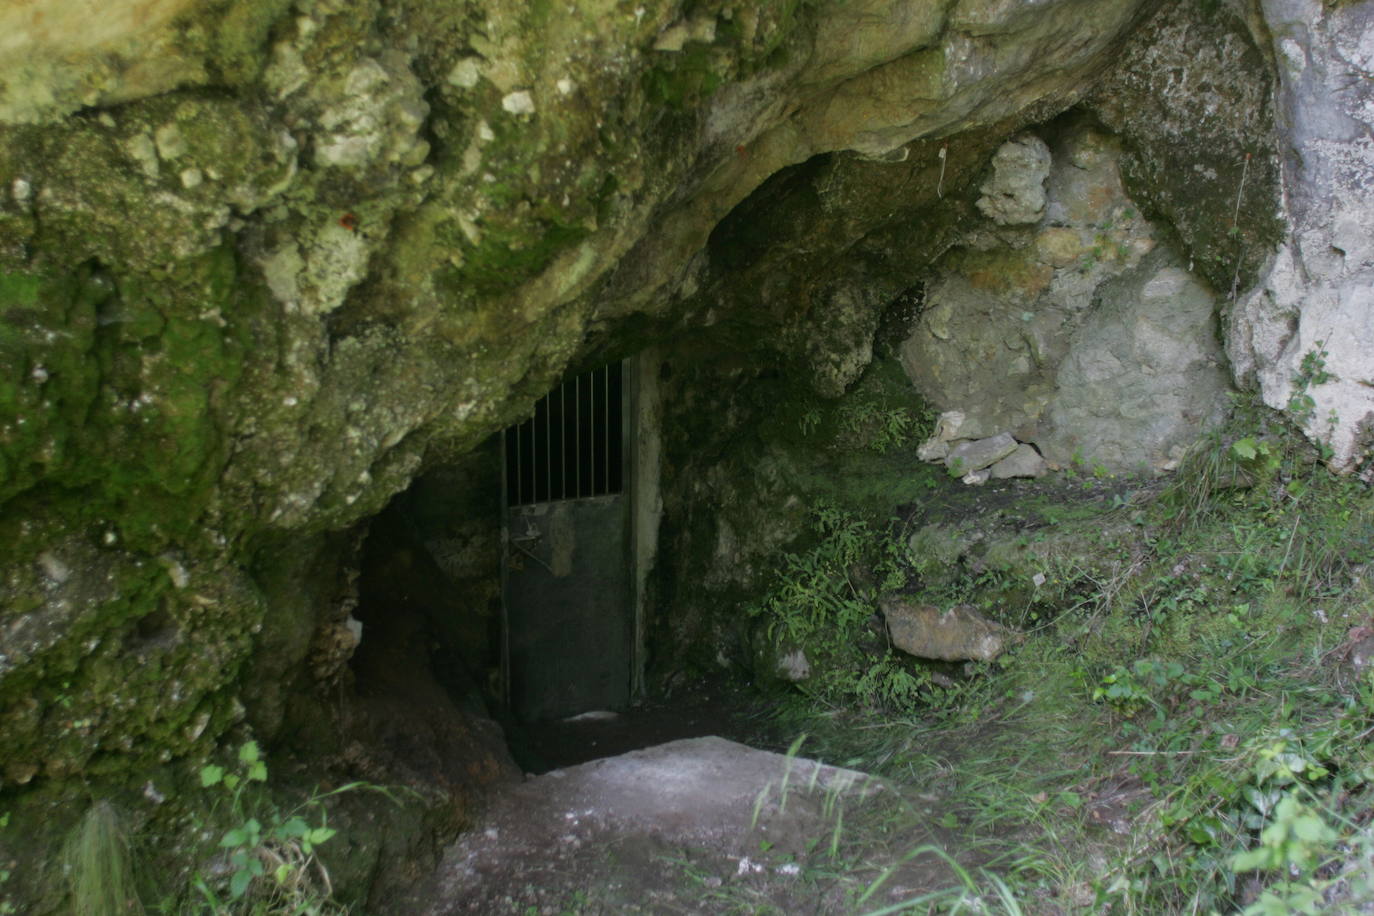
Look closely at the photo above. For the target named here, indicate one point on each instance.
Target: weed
(1312, 371)
(1175, 734)
(266, 863)
(871, 424)
(99, 866)
(825, 601)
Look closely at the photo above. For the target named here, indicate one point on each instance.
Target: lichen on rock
(265, 263)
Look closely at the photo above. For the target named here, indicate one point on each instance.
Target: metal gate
(568, 582)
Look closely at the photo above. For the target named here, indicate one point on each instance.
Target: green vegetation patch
(1184, 726)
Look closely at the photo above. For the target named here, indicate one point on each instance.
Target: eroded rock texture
(1066, 319)
(262, 263)
(1303, 334)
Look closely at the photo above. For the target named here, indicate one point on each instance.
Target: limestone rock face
(1143, 376)
(261, 262)
(1015, 194)
(957, 634)
(60, 55)
(1080, 333)
(1303, 334)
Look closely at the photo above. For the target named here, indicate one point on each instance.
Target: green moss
(48, 378)
(241, 38)
(1004, 271)
(686, 79)
(505, 259)
(122, 685)
(121, 387)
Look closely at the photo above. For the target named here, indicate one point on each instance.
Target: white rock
(1024, 462)
(1015, 194)
(1318, 295)
(466, 73)
(977, 454)
(140, 147)
(170, 143)
(518, 103)
(794, 666)
(948, 425)
(933, 450)
(673, 38)
(56, 570)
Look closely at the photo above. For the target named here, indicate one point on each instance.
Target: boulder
(1085, 333)
(957, 634)
(1144, 377)
(934, 450)
(1015, 194)
(1024, 462)
(976, 454)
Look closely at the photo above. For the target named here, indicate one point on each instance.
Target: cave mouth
(511, 585)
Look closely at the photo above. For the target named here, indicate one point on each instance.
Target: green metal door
(568, 583)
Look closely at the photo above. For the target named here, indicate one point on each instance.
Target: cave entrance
(569, 581)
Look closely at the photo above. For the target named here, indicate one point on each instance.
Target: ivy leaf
(211, 776)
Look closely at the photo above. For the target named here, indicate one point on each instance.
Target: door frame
(636, 479)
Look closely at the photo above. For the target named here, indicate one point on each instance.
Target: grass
(1181, 731)
(99, 866)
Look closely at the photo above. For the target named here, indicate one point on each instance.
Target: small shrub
(267, 864)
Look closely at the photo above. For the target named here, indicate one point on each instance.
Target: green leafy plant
(269, 855)
(1311, 372)
(1127, 690)
(825, 602)
(869, 424)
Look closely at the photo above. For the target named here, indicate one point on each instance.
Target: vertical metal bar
(548, 434)
(631, 405)
(503, 661)
(596, 436)
(606, 424)
(591, 433)
(563, 440)
(577, 436)
(519, 469)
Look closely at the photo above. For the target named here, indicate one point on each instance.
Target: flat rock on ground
(694, 826)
